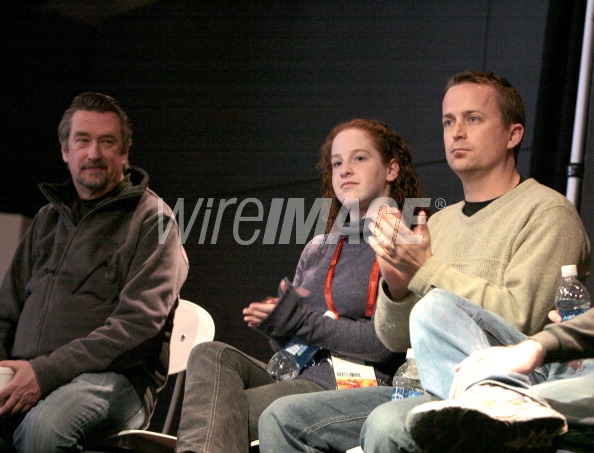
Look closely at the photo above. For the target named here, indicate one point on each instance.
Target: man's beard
(97, 183)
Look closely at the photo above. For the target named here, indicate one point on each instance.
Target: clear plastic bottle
(287, 362)
(406, 380)
(290, 360)
(572, 297)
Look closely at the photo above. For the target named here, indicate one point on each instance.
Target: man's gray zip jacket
(97, 295)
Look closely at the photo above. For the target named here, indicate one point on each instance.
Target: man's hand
(398, 255)
(522, 358)
(23, 392)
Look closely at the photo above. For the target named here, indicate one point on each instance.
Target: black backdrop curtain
(555, 110)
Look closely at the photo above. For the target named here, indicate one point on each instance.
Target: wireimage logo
(294, 219)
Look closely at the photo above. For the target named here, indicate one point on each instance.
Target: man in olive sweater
(494, 404)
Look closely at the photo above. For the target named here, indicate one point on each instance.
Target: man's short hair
(95, 102)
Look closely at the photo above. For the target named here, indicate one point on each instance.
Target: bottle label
(566, 315)
(569, 309)
(296, 349)
(407, 383)
(399, 393)
(302, 351)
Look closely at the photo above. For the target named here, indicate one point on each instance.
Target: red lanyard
(371, 289)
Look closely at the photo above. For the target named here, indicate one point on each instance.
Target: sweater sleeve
(568, 340)
(391, 319)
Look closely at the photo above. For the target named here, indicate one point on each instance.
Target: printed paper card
(351, 374)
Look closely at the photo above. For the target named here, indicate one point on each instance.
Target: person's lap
(259, 398)
(226, 390)
(325, 421)
(90, 407)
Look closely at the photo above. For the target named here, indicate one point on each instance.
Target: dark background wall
(233, 99)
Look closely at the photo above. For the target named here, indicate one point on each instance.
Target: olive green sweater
(507, 258)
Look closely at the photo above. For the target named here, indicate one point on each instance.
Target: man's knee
(281, 415)
(37, 433)
(276, 411)
(432, 308)
(385, 427)
(379, 423)
(427, 308)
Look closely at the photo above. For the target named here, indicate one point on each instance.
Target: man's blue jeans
(445, 329)
(328, 421)
(90, 407)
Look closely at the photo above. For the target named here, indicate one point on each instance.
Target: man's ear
(516, 133)
(64, 154)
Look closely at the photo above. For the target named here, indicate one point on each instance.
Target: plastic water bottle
(572, 297)
(406, 380)
(289, 361)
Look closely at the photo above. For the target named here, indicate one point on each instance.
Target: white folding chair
(192, 324)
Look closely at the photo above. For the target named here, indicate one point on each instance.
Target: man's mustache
(93, 166)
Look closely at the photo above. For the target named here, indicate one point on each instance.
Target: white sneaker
(488, 417)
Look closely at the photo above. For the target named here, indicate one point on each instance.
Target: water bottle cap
(410, 354)
(569, 271)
